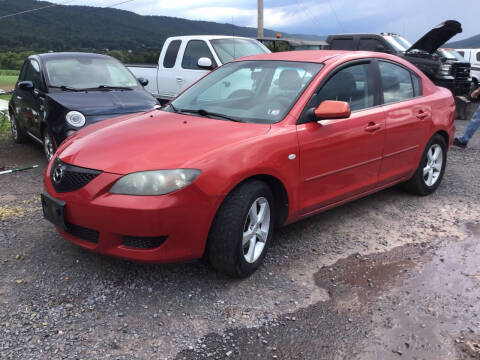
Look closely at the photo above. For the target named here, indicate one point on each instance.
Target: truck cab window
(171, 54)
(195, 50)
(342, 44)
(371, 45)
(396, 82)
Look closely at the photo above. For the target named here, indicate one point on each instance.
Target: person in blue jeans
(472, 126)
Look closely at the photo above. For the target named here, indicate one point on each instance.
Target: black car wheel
(242, 230)
(18, 134)
(49, 145)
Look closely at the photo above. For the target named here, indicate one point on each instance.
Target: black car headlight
(157, 182)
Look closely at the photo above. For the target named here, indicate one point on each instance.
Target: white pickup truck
(185, 59)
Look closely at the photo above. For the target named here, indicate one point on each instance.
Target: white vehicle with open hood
(185, 59)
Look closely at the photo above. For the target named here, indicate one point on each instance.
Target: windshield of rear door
(87, 73)
(229, 49)
(249, 91)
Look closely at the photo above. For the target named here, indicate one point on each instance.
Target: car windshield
(88, 73)
(399, 43)
(451, 55)
(229, 49)
(248, 91)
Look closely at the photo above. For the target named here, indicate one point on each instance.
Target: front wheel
(18, 134)
(430, 171)
(49, 145)
(242, 230)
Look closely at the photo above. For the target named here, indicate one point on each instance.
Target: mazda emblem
(58, 174)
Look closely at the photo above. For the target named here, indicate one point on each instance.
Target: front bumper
(106, 223)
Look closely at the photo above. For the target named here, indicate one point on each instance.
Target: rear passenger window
(171, 54)
(396, 82)
(417, 85)
(478, 56)
(342, 44)
(351, 85)
(371, 45)
(195, 50)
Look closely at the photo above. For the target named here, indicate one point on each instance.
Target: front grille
(83, 233)
(461, 71)
(141, 242)
(66, 177)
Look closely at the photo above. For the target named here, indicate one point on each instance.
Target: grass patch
(5, 97)
(9, 72)
(8, 80)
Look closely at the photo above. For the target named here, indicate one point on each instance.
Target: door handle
(179, 79)
(372, 127)
(422, 115)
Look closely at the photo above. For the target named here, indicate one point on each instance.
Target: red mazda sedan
(258, 143)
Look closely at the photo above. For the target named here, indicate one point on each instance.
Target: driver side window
(351, 85)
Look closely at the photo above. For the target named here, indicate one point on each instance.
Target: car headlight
(75, 118)
(444, 69)
(157, 182)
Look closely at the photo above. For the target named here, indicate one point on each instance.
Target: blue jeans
(472, 126)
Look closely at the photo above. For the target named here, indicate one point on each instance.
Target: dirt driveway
(388, 276)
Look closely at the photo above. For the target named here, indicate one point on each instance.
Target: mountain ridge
(74, 27)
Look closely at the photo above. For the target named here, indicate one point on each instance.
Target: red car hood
(153, 140)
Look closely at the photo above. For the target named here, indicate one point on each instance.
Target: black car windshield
(88, 73)
(248, 91)
(229, 49)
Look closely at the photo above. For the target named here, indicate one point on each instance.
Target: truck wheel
(430, 171)
(18, 134)
(242, 230)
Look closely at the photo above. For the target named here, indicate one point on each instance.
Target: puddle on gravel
(353, 281)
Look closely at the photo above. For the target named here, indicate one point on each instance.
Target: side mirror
(143, 81)
(205, 63)
(330, 109)
(26, 85)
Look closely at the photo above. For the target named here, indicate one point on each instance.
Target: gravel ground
(386, 276)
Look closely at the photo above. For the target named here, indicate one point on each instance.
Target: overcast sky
(411, 18)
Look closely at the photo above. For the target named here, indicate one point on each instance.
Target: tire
(18, 134)
(421, 184)
(233, 223)
(49, 144)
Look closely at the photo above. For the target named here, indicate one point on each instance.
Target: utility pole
(260, 19)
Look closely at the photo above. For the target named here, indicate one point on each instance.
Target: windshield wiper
(175, 110)
(66, 88)
(203, 112)
(108, 87)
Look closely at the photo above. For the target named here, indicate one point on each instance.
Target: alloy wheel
(48, 146)
(256, 230)
(13, 127)
(433, 165)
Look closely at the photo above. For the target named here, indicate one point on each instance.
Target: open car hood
(438, 36)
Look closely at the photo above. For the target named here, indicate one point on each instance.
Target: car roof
(67, 55)
(318, 56)
(208, 37)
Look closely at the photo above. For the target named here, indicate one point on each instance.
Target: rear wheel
(430, 171)
(18, 134)
(49, 145)
(242, 230)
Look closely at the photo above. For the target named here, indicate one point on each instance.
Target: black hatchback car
(60, 93)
